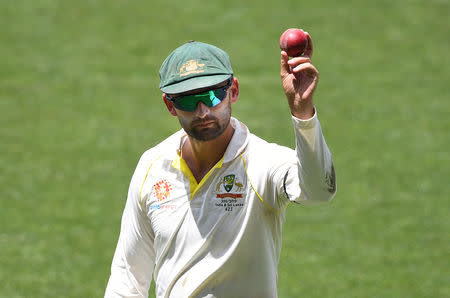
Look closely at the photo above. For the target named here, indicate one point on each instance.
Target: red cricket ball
(294, 42)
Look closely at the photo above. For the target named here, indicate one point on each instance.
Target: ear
(169, 105)
(234, 90)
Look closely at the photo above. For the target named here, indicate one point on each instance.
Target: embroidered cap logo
(191, 66)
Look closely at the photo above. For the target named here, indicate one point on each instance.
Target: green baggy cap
(194, 65)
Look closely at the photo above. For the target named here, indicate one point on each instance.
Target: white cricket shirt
(220, 237)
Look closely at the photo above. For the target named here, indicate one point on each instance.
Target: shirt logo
(162, 190)
(230, 193)
(228, 182)
(190, 67)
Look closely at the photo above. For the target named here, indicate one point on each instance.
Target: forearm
(316, 173)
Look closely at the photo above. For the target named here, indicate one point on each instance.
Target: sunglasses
(210, 98)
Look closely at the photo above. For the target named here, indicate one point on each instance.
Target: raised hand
(299, 78)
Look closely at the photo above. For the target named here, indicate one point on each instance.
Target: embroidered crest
(162, 189)
(230, 192)
(191, 66)
(228, 182)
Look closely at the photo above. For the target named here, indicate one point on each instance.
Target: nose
(202, 110)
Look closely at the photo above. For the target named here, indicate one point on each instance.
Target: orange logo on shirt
(162, 189)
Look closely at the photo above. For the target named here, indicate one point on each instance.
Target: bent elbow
(319, 195)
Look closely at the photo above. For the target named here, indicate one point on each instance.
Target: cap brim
(195, 83)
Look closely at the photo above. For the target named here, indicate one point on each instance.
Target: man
(205, 207)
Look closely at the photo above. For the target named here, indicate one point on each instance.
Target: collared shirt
(220, 237)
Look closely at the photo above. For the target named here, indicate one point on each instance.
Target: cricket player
(206, 206)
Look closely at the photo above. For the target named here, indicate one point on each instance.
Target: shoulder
(262, 158)
(164, 151)
(260, 148)
(164, 148)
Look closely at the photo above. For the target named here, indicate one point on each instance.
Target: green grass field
(79, 104)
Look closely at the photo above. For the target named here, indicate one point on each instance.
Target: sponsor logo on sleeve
(162, 190)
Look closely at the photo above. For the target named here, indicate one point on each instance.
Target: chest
(177, 210)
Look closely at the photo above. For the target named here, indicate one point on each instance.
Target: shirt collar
(236, 146)
(238, 141)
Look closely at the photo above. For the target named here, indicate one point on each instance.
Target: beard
(208, 128)
(211, 131)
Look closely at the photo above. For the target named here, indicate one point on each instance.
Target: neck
(201, 156)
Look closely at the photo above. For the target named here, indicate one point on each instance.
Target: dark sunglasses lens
(220, 93)
(210, 99)
(186, 103)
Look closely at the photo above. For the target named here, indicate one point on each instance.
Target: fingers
(285, 68)
(307, 68)
(293, 62)
(309, 48)
(302, 63)
(296, 65)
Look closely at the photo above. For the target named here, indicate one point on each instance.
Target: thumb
(285, 68)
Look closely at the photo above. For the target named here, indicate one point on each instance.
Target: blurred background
(79, 104)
